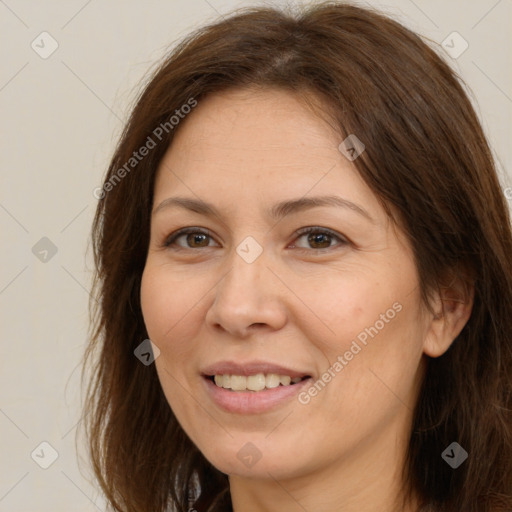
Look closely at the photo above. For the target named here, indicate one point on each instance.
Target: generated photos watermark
(343, 360)
(151, 142)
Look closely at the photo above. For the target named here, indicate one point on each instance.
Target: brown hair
(426, 158)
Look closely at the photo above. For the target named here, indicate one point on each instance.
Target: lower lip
(253, 402)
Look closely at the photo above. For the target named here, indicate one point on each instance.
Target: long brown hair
(426, 159)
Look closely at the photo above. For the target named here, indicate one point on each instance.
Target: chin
(259, 458)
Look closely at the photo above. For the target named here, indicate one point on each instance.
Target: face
(281, 350)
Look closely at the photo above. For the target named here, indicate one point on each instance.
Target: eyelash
(169, 241)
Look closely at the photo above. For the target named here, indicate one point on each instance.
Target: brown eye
(194, 238)
(198, 238)
(319, 238)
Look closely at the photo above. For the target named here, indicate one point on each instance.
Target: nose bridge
(246, 294)
(247, 272)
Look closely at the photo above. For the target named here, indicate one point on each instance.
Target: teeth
(226, 381)
(238, 382)
(285, 380)
(256, 382)
(272, 380)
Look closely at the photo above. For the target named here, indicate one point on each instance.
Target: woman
(304, 217)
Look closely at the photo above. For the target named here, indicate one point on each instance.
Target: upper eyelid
(186, 231)
(170, 239)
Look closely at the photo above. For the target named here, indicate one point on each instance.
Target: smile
(246, 401)
(257, 382)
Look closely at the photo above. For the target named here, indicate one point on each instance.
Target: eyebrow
(276, 212)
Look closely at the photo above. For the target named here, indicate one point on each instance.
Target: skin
(299, 304)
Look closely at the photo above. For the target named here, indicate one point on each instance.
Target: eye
(195, 238)
(319, 238)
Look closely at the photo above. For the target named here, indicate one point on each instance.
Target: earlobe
(452, 309)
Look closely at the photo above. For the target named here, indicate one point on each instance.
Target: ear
(452, 305)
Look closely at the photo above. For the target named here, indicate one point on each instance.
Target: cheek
(378, 368)
(168, 308)
(351, 306)
(374, 329)
(168, 312)
(375, 305)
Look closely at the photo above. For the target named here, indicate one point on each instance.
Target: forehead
(255, 122)
(260, 144)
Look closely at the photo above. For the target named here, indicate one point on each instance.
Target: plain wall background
(60, 120)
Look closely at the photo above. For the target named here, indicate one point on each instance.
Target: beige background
(61, 117)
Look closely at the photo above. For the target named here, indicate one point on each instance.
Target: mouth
(253, 387)
(254, 383)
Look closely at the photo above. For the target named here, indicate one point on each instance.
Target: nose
(247, 298)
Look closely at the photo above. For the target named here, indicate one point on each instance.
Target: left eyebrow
(280, 210)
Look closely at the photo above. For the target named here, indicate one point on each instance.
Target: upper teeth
(254, 382)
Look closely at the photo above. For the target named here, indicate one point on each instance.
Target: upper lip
(250, 368)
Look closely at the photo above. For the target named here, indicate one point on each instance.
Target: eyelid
(313, 229)
(169, 240)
